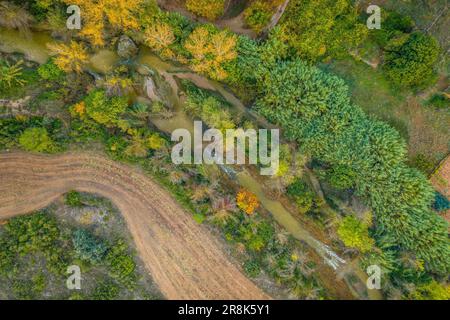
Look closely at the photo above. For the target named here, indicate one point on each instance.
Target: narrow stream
(34, 48)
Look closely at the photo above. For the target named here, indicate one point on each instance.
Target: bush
(87, 247)
(302, 195)
(258, 15)
(121, 264)
(106, 290)
(431, 291)
(410, 61)
(393, 24)
(210, 9)
(355, 234)
(252, 268)
(441, 203)
(36, 139)
(319, 29)
(50, 71)
(440, 101)
(73, 199)
(105, 110)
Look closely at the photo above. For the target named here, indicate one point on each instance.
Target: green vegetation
(319, 29)
(210, 109)
(330, 128)
(410, 60)
(359, 155)
(104, 110)
(355, 234)
(258, 14)
(210, 9)
(302, 195)
(50, 71)
(38, 248)
(11, 75)
(36, 139)
(441, 203)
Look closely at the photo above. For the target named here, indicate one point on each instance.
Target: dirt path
(183, 258)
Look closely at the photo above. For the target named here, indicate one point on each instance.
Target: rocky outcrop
(126, 48)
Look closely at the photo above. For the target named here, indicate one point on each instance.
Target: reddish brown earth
(183, 257)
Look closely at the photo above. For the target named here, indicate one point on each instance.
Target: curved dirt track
(183, 258)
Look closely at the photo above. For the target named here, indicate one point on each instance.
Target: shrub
(11, 75)
(431, 291)
(37, 140)
(393, 24)
(210, 50)
(87, 247)
(410, 62)
(441, 203)
(106, 290)
(319, 29)
(50, 71)
(440, 100)
(257, 15)
(355, 234)
(104, 110)
(302, 195)
(252, 268)
(73, 199)
(210, 9)
(341, 177)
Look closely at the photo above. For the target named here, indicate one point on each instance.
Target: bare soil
(183, 257)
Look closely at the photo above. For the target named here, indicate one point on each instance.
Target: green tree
(314, 109)
(50, 71)
(355, 234)
(36, 139)
(316, 29)
(104, 110)
(410, 60)
(88, 247)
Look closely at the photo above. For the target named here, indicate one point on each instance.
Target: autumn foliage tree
(69, 57)
(99, 15)
(247, 201)
(210, 50)
(159, 36)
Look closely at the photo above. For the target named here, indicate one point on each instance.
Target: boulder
(126, 48)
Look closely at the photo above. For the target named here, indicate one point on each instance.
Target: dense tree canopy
(314, 109)
(317, 29)
(410, 60)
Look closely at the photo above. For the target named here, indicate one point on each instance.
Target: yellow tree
(97, 14)
(159, 37)
(69, 57)
(210, 50)
(210, 9)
